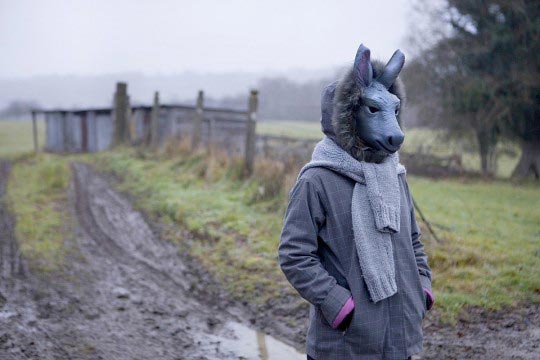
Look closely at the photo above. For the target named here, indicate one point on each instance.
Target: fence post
(266, 147)
(154, 121)
(121, 113)
(211, 128)
(250, 131)
(34, 131)
(197, 124)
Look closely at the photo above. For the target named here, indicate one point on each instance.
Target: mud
(481, 334)
(124, 294)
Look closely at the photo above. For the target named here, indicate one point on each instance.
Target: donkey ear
(363, 72)
(392, 69)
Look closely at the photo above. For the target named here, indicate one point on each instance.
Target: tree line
(478, 71)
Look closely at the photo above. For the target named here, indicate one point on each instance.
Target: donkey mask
(367, 106)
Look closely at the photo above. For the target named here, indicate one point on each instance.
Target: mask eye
(397, 111)
(372, 109)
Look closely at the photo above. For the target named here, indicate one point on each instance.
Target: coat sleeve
(420, 254)
(298, 255)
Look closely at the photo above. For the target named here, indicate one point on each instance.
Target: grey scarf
(375, 211)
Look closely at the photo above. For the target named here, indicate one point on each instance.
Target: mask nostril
(395, 140)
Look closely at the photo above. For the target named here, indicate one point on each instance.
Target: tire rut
(10, 260)
(142, 267)
(95, 220)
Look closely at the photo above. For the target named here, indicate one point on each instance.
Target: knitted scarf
(375, 211)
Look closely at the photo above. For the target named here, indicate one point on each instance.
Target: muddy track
(133, 273)
(486, 335)
(123, 294)
(10, 261)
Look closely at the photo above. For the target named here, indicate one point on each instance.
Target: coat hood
(327, 110)
(339, 102)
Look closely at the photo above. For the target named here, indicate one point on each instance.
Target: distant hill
(79, 91)
(286, 95)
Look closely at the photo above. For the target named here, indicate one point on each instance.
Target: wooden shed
(89, 130)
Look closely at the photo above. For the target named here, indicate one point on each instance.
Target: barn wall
(73, 133)
(139, 125)
(104, 131)
(92, 131)
(64, 132)
(54, 140)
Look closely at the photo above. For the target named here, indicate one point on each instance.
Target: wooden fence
(91, 130)
(229, 130)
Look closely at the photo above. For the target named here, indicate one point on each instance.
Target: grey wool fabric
(375, 211)
(320, 258)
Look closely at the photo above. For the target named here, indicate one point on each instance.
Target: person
(350, 244)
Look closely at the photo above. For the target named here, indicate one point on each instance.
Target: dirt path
(124, 295)
(486, 335)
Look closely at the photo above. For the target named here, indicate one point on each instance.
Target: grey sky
(87, 37)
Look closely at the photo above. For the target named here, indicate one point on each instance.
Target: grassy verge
(488, 257)
(36, 194)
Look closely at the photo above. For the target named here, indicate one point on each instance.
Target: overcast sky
(88, 37)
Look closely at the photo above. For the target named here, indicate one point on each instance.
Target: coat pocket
(421, 303)
(366, 332)
(424, 302)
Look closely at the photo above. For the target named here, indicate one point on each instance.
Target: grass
(36, 195)
(488, 258)
(297, 129)
(16, 137)
(437, 143)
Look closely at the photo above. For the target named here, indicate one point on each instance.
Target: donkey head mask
(367, 107)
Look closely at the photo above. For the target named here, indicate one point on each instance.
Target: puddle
(237, 341)
(7, 314)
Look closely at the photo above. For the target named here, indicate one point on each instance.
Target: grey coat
(318, 256)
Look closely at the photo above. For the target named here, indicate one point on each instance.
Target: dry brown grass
(217, 164)
(177, 146)
(269, 175)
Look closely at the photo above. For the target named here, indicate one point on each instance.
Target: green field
(490, 231)
(298, 129)
(490, 234)
(16, 137)
(424, 140)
